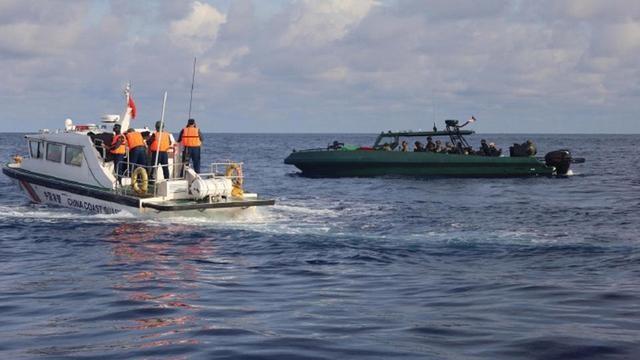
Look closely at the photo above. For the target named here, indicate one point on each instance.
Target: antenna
(433, 105)
(159, 134)
(434, 112)
(193, 80)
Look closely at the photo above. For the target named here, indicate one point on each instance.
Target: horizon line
(375, 133)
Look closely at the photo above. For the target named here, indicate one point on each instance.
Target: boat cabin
(68, 155)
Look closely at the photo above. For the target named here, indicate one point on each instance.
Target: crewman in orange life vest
(191, 139)
(118, 149)
(137, 148)
(159, 143)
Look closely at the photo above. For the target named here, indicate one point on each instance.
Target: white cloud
(618, 39)
(199, 30)
(317, 22)
(27, 39)
(584, 9)
(338, 73)
(317, 59)
(227, 59)
(609, 11)
(39, 29)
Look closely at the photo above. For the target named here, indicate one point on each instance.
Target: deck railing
(214, 170)
(178, 173)
(127, 168)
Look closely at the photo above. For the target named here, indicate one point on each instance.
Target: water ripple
(340, 268)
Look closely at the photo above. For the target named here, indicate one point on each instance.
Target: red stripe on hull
(32, 193)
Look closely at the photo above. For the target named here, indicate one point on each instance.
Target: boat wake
(47, 213)
(304, 219)
(43, 212)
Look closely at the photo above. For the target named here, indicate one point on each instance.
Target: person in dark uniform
(531, 148)
(484, 148)
(430, 147)
(118, 149)
(191, 138)
(449, 149)
(336, 145)
(493, 150)
(159, 144)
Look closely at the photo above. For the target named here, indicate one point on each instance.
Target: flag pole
(155, 166)
(193, 80)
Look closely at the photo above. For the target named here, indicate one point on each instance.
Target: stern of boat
(222, 187)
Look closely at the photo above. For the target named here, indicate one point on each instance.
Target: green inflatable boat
(387, 157)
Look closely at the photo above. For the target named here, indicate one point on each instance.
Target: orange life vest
(120, 150)
(190, 137)
(162, 138)
(134, 139)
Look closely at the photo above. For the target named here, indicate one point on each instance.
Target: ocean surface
(352, 268)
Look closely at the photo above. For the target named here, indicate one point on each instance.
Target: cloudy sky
(542, 66)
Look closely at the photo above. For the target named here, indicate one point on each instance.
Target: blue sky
(547, 66)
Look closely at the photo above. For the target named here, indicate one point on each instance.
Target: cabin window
(73, 155)
(35, 149)
(54, 152)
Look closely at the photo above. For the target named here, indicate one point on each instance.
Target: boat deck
(180, 205)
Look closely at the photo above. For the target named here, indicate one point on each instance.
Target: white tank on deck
(214, 187)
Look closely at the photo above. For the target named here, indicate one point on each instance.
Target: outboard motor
(560, 159)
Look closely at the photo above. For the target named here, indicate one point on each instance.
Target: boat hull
(367, 163)
(45, 195)
(43, 189)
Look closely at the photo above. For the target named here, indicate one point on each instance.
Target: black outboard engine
(560, 159)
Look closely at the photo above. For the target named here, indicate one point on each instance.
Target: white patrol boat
(73, 168)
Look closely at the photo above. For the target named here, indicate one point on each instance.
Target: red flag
(132, 105)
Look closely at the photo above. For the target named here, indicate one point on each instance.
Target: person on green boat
(531, 148)
(431, 146)
(335, 146)
(448, 148)
(484, 148)
(493, 150)
(417, 147)
(527, 148)
(439, 147)
(405, 146)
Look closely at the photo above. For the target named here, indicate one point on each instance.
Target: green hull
(323, 163)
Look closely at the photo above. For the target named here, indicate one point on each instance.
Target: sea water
(543, 268)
